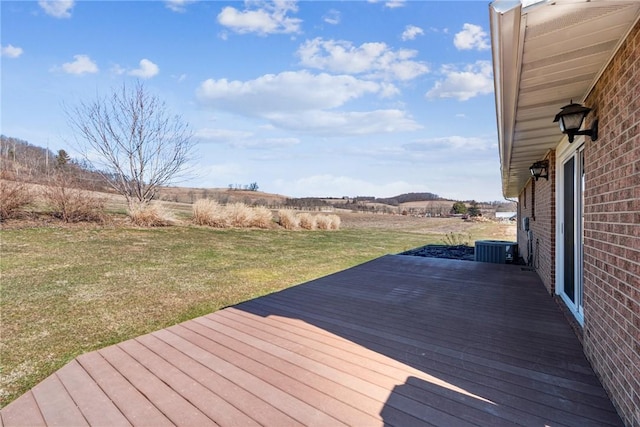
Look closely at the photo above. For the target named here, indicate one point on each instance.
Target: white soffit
(545, 55)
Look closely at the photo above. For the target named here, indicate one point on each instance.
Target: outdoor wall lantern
(540, 169)
(571, 117)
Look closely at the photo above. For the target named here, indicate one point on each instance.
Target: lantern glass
(540, 169)
(571, 122)
(570, 119)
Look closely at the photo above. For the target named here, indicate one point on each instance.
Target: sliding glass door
(571, 232)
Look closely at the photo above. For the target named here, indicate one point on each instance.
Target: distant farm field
(68, 290)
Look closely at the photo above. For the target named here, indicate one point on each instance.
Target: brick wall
(612, 231)
(537, 201)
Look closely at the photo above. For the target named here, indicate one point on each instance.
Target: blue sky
(307, 98)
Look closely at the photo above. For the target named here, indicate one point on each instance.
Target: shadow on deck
(398, 341)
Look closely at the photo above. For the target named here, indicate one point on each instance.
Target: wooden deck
(399, 341)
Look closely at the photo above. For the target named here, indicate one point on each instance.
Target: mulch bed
(443, 251)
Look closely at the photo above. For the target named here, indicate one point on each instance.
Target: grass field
(69, 290)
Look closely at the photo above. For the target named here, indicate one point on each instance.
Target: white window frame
(564, 152)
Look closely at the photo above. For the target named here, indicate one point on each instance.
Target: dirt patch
(467, 230)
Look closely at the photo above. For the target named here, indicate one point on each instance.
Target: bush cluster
(291, 220)
(61, 198)
(14, 197)
(288, 219)
(213, 214)
(72, 204)
(150, 216)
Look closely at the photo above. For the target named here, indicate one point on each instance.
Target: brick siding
(611, 331)
(537, 201)
(612, 231)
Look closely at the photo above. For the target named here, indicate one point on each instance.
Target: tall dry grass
(328, 222)
(335, 222)
(323, 222)
(291, 220)
(211, 213)
(240, 215)
(288, 219)
(262, 217)
(307, 221)
(152, 215)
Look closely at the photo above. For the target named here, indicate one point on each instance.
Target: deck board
(130, 401)
(56, 405)
(398, 341)
(23, 411)
(280, 372)
(93, 403)
(176, 407)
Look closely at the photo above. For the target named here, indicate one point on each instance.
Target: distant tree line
(22, 161)
(244, 187)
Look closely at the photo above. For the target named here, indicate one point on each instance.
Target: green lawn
(66, 291)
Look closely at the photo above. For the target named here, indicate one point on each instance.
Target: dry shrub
(150, 216)
(240, 215)
(307, 221)
(211, 213)
(72, 204)
(14, 196)
(328, 222)
(323, 222)
(288, 219)
(335, 222)
(457, 239)
(262, 217)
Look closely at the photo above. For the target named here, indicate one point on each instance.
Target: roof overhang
(545, 54)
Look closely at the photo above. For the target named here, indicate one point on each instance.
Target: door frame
(566, 152)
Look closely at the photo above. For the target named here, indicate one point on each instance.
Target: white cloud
(242, 139)
(179, 6)
(352, 123)
(375, 60)
(391, 4)
(147, 70)
(411, 32)
(471, 37)
(57, 8)
(221, 135)
(261, 17)
(476, 79)
(118, 70)
(453, 142)
(285, 92)
(300, 101)
(82, 64)
(332, 17)
(11, 51)
(265, 143)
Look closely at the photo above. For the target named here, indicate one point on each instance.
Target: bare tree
(133, 141)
